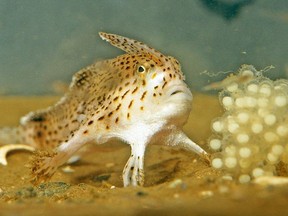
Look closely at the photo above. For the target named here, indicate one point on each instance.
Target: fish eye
(141, 69)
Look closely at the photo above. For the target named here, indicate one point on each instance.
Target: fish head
(158, 78)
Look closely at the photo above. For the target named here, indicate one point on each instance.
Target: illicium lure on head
(139, 97)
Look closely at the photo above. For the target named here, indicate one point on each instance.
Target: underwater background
(45, 41)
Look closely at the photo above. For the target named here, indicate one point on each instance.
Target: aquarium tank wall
(43, 43)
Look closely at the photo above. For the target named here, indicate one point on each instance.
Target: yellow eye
(141, 69)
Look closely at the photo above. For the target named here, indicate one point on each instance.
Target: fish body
(139, 97)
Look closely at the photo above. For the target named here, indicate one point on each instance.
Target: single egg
(230, 162)
(217, 163)
(215, 144)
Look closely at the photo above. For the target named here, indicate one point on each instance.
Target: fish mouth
(180, 91)
(176, 92)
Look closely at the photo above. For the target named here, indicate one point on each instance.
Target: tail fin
(9, 135)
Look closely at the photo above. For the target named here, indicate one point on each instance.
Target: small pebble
(176, 195)
(68, 169)
(227, 178)
(223, 189)
(141, 193)
(244, 178)
(101, 178)
(206, 194)
(109, 165)
(175, 183)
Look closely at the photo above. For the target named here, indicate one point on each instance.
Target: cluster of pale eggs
(251, 137)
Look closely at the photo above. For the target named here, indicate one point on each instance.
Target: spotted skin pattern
(139, 97)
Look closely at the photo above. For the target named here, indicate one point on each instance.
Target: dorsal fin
(129, 45)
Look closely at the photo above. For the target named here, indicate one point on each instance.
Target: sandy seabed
(176, 182)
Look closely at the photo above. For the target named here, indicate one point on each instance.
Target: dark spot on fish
(101, 118)
(130, 104)
(118, 107)
(134, 90)
(39, 134)
(143, 95)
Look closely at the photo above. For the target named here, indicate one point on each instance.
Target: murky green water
(45, 41)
